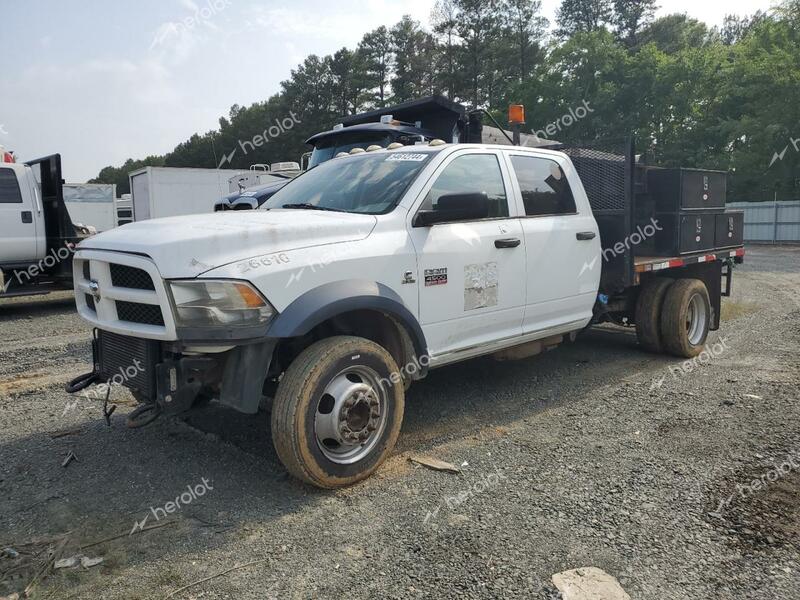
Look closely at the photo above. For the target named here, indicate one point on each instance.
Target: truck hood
(187, 246)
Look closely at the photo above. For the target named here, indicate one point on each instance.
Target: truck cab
(37, 236)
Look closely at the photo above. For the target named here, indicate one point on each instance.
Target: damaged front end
(169, 378)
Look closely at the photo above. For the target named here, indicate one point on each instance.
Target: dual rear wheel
(674, 316)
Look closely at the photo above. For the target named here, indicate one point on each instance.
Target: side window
(468, 174)
(544, 186)
(9, 187)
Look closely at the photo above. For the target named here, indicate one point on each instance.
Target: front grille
(129, 361)
(130, 277)
(90, 302)
(86, 273)
(134, 312)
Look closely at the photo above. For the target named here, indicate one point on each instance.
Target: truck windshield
(370, 183)
(330, 147)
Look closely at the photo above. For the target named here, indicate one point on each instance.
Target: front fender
(339, 297)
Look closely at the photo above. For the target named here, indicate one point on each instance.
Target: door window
(544, 186)
(471, 173)
(9, 187)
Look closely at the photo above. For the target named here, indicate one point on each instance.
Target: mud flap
(244, 375)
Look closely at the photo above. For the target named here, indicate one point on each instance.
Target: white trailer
(91, 204)
(169, 191)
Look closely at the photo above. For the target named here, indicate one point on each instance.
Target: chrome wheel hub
(696, 318)
(350, 415)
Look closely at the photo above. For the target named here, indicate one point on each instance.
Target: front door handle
(507, 243)
(585, 235)
(27, 216)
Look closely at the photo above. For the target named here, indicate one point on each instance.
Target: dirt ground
(682, 481)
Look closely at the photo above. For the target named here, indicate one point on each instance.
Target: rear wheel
(337, 414)
(648, 313)
(686, 318)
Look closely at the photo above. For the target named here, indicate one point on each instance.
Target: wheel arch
(350, 297)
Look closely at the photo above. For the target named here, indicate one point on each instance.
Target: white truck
(37, 236)
(91, 204)
(124, 209)
(365, 272)
(174, 191)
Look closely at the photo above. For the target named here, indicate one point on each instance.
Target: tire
(327, 401)
(648, 314)
(685, 318)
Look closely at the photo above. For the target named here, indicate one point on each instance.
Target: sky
(100, 82)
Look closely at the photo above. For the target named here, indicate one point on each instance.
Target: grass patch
(734, 310)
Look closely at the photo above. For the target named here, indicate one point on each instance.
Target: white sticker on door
(480, 285)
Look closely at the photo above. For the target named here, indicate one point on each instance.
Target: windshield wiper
(307, 206)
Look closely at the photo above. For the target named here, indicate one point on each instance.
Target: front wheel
(337, 412)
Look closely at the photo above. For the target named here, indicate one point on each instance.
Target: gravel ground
(680, 483)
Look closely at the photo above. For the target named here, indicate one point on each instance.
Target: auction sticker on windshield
(407, 156)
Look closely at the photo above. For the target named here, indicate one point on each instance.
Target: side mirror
(455, 207)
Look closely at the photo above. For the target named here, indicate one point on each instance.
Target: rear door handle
(585, 235)
(27, 216)
(507, 243)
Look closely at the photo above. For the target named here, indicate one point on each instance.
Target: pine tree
(630, 16)
(582, 16)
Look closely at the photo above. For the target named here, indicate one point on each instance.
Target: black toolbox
(674, 234)
(674, 190)
(729, 229)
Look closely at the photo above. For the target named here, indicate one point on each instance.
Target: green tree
(444, 18)
(630, 16)
(410, 72)
(672, 33)
(525, 28)
(582, 16)
(477, 22)
(376, 50)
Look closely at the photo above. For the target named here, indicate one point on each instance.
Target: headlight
(204, 303)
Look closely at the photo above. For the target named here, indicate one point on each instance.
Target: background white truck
(37, 236)
(171, 191)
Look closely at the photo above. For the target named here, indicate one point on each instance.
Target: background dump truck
(375, 266)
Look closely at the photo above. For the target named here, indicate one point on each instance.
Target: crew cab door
(470, 272)
(18, 215)
(562, 241)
